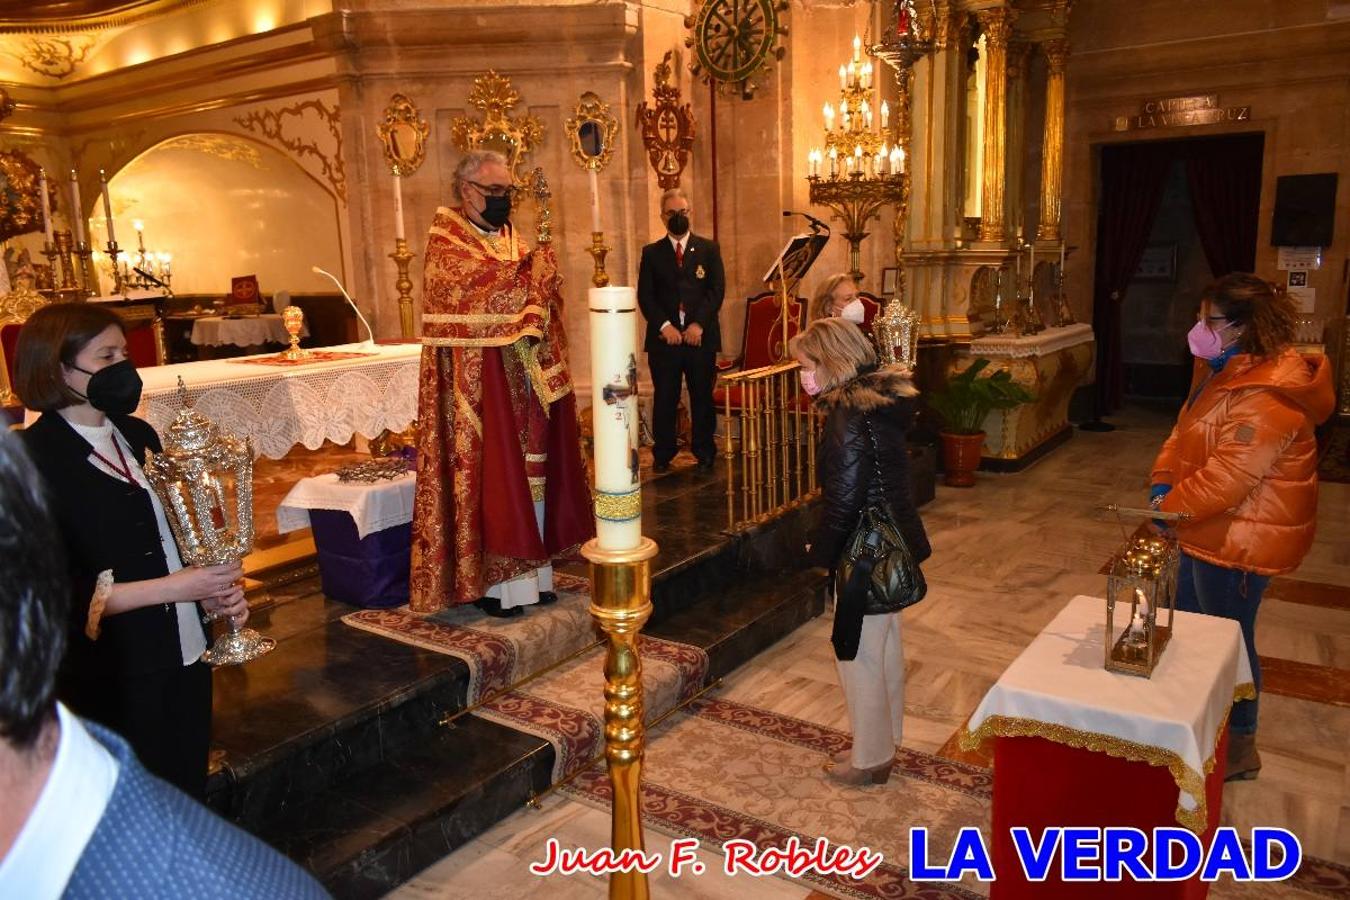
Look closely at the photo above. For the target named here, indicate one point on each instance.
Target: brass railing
(769, 442)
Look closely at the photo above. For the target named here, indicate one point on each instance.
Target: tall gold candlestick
(598, 251)
(401, 257)
(621, 601)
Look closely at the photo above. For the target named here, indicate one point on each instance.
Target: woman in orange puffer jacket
(1241, 464)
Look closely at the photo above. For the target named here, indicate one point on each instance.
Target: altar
(344, 391)
(1050, 364)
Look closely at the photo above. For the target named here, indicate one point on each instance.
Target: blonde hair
(837, 347)
(823, 298)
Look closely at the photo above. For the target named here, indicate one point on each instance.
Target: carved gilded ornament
(593, 132)
(1056, 55)
(513, 138)
(403, 134)
(20, 202)
(667, 127)
(48, 56)
(6, 104)
(997, 25)
(279, 125)
(951, 26)
(221, 146)
(1019, 56)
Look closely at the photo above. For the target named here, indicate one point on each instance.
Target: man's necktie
(679, 264)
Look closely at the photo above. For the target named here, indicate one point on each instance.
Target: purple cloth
(370, 571)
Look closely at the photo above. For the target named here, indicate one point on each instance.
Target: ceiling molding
(74, 16)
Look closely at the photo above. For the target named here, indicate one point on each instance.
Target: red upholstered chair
(761, 341)
(9, 339)
(145, 335)
(872, 305)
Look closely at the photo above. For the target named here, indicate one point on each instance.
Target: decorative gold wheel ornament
(733, 40)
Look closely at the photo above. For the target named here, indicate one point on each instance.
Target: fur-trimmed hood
(869, 391)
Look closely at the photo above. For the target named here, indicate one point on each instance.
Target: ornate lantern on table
(1144, 575)
(192, 478)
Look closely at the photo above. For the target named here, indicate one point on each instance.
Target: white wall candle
(1061, 257)
(107, 207)
(76, 207)
(46, 206)
(595, 204)
(398, 208)
(614, 412)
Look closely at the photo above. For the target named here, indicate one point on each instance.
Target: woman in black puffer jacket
(863, 459)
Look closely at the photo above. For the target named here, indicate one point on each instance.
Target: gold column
(1014, 198)
(1052, 153)
(621, 601)
(997, 26)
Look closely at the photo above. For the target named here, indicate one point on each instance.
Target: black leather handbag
(877, 558)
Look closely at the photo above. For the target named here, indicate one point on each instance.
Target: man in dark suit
(681, 283)
(81, 817)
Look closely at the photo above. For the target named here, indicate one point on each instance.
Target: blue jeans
(1233, 594)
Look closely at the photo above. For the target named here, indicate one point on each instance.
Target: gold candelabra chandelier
(140, 269)
(860, 168)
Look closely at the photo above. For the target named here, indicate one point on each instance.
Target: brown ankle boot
(1243, 761)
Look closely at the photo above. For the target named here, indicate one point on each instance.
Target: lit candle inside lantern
(614, 411)
(76, 207)
(885, 115)
(399, 233)
(829, 117)
(107, 207)
(46, 206)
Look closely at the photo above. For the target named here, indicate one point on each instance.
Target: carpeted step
(366, 835)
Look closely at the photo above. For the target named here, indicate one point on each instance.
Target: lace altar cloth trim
(1042, 344)
(280, 407)
(315, 356)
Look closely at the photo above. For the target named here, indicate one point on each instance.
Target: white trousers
(874, 688)
(524, 590)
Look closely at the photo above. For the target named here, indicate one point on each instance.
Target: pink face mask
(808, 379)
(1205, 342)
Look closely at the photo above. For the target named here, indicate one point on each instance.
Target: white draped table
(1059, 689)
(281, 406)
(241, 331)
(373, 506)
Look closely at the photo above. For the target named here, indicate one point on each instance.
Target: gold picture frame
(403, 133)
(593, 131)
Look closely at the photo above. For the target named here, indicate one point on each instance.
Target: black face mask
(497, 211)
(678, 224)
(115, 389)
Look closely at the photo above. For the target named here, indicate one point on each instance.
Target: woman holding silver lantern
(136, 637)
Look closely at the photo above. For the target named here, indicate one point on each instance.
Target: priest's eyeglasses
(494, 190)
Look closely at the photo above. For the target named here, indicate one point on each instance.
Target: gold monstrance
(191, 478)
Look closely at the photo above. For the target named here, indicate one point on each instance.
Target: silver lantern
(193, 478)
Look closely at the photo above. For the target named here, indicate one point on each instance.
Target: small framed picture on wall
(1159, 263)
(889, 281)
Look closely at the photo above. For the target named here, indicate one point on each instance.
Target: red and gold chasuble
(497, 426)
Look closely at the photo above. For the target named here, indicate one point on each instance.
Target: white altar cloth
(1059, 689)
(245, 331)
(372, 506)
(1022, 346)
(281, 406)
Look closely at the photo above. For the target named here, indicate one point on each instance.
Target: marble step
(367, 833)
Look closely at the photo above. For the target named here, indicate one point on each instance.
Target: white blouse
(191, 637)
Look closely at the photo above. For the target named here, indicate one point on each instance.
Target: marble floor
(1007, 555)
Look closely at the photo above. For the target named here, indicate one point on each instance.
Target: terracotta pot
(960, 458)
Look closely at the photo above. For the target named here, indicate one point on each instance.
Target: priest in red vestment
(501, 485)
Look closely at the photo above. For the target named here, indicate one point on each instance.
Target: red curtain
(1225, 182)
(1132, 180)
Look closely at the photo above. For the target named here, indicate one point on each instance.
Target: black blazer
(106, 524)
(700, 284)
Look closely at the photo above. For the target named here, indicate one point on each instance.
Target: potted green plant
(963, 405)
